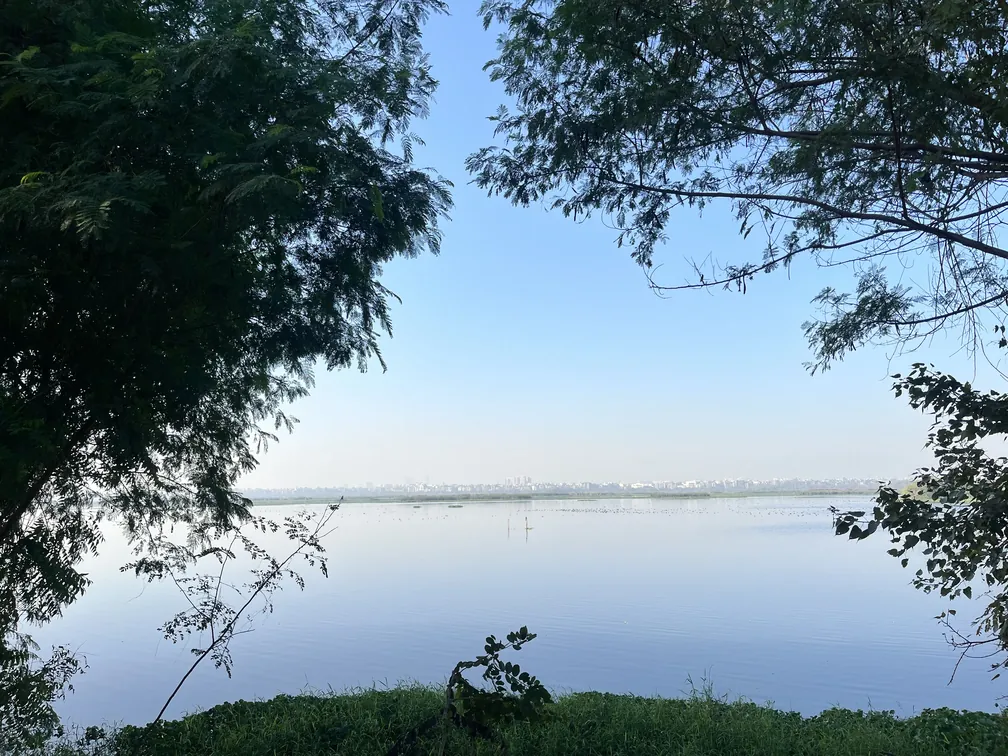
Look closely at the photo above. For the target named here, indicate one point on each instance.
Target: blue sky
(533, 346)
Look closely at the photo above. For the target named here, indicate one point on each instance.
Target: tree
(847, 131)
(857, 134)
(953, 519)
(196, 200)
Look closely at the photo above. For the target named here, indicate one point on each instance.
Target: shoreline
(367, 722)
(484, 498)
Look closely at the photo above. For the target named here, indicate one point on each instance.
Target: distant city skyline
(524, 484)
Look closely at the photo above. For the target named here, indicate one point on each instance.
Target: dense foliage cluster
(851, 132)
(955, 515)
(196, 201)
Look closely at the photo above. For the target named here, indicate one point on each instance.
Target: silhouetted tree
(196, 200)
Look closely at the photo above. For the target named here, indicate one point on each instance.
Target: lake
(754, 595)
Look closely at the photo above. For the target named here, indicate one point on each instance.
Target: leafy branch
(514, 695)
(884, 136)
(954, 516)
(207, 611)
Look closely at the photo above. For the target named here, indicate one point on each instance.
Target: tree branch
(909, 224)
(13, 516)
(228, 630)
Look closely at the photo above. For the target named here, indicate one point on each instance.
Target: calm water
(634, 596)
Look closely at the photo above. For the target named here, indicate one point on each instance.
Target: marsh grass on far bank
(367, 723)
(547, 495)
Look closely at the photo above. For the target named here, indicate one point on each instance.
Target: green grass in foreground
(368, 722)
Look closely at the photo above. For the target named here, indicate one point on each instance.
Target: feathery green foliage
(851, 132)
(196, 201)
(952, 523)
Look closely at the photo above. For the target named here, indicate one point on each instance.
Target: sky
(532, 346)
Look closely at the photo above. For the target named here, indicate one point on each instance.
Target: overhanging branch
(684, 195)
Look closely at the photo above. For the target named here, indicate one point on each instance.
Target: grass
(366, 723)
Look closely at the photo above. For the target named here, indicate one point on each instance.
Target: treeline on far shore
(551, 495)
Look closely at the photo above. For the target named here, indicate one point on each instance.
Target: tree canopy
(854, 133)
(858, 134)
(196, 201)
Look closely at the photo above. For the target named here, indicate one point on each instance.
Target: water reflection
(626, 596)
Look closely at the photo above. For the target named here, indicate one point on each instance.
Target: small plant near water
(514, 696)
(208, 615)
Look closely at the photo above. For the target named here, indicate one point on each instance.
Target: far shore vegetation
(550, 496)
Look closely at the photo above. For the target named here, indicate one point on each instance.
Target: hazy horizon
(533, 346)
(376, 484)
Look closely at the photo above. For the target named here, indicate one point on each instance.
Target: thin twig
(228, 629)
